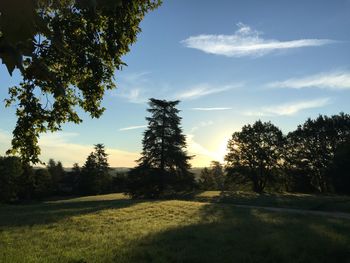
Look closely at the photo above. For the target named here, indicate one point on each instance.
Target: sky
(230, 63)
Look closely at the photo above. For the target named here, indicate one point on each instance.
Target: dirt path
(299, 211)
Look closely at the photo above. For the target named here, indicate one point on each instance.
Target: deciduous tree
(254, 154)
(313, 145)
(67, 52)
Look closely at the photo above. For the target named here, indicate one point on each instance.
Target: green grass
(283, 200)
(112, 228)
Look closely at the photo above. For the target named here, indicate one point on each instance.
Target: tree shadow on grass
(229, 234)
(301, 201)
(51, 212)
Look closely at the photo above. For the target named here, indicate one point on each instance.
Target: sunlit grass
(113, 228)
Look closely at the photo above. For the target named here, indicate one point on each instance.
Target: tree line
(20, 181)
(313, 158)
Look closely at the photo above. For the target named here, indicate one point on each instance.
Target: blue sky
(229, 62)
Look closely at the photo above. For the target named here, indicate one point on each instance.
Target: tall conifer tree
(164, 157)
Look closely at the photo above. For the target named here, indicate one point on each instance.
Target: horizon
(247, 62)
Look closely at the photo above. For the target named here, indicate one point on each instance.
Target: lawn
(332, 203)
(113, 228)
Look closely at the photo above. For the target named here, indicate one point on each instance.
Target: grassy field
(286, 200)
(112, 228)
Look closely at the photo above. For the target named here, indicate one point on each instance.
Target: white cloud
(201, 125)
(337, 80)
(289, 108)
(133, 128)
(201, 90)
(212, 109)
(138, 88)
(132, 87)
(134, 95)
(246, 42)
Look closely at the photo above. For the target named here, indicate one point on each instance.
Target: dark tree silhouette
(313, 145)
(67, 52)
(163, 156)
(94, 176)
(10, 172)
(212, 178)
(254, 154)
(340, 169)
(57, 174)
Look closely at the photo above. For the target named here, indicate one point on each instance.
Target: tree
(10, 171)
(164, 162)
(340, 169)
(57, 174)
(42, 184)
(94, 176)
(313, 145)
(206, 180)
(212, 178)
(254, 154)
(67, 52)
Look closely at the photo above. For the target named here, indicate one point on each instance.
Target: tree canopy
(67, 52)
(312, 147)
(254, 153)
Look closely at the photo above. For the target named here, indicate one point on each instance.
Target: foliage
(163, 156)
(94, 176)
(119, 182)
(339, 171)
(42, 184)
(311, 148)
(212, 178)
(10, 171)
(254, 154)
(57, 174)
(67, 52)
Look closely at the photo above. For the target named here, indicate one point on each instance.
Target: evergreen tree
(163, 156)
(94, 176)
(57, 174)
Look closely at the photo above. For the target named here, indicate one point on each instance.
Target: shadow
(50, 212)
(298, 201)
(228, 234)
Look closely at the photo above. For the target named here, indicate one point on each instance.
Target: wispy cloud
(138, 88)
(134, 95)
(289, 108)
(202, 124)
(212, 109)
(133, 128)
(201, 90)
(336, 80)
(133, 87)
(246, 42)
